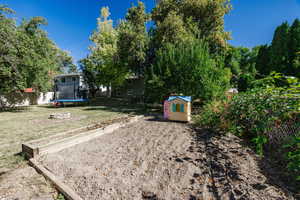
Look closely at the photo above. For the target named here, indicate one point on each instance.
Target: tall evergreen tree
(294, 49)
(263, 61)
(279, 49)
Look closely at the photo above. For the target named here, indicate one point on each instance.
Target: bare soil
(153, 159)
(25, 184)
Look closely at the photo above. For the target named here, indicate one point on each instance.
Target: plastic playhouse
(178, 108)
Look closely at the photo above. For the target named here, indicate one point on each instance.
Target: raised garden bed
(67, 139)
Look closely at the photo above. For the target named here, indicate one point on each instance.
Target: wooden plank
(59, 185)
(29, 150)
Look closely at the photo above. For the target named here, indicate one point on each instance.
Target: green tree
(294, 49)
(133, 39)
(203, 18)
(279, 49)
(187, 68)
(37, 54)
(90, 76)
(172, 30)
(102, 61)
(10, 77)
(233, 61)
(242, 62)
(263, 61)
(66, 62)
(28, 58)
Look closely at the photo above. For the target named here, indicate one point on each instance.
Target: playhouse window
(177, 107)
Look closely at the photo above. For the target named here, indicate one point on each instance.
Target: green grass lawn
(17, 127)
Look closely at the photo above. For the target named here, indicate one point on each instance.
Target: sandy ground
(152, 159)
(25, 184)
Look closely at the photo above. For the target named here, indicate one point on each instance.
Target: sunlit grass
(17, 127)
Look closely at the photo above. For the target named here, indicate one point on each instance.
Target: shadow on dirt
(149, 196)
(227, 177)
(158, 117)
(273, 168)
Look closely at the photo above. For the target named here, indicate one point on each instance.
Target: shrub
(267, 116)
(292, 147)
(189, 69)
(211, 115)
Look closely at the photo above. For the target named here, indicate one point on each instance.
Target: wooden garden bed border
(32, 152)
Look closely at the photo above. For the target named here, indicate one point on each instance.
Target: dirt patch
(234, 171)
(153, 159)
(25, 184)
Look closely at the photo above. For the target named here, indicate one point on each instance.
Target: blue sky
(70, 22)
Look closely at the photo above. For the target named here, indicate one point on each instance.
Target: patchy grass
(19, 126)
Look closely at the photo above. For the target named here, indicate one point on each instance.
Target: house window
(73, 79)
(177, 107)
(63, 80)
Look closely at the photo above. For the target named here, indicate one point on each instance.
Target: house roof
(184, 98)
(28, 90)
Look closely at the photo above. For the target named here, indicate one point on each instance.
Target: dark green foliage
(294, 49)
(292, 147)
(279, 49)
(241, 61)
(258, 110)
(187, 68)
(258, 114)
(254, 112)
(90, 76)
(263, 60)
(28, 58)
(245, 82)
(128, 49)
(283, 55)
(211, 115)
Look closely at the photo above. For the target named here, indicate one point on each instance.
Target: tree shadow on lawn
(120, 106)
(220, 165)
(119, 109)
(107, 104)
(15, 109)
